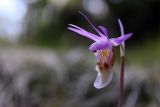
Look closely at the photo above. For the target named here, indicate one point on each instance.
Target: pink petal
(104, 30)
(120, 40)
(98, 45)
(91, 24)
(121, 27)
(83, 32)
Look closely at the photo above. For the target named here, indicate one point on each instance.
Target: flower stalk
(122, 55)
(121, 85)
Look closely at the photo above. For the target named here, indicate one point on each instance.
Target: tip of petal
(130, 34)
(121, 26)
(80, 12)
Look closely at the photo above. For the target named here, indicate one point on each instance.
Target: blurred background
(42, 64)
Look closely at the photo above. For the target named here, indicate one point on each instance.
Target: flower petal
(120, 40)
(100, 45)
(91, 24)
(83, 32)
(104, 30)
(121, 27)
(103, 79)
(74, 26)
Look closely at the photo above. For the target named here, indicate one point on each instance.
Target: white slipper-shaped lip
(103, 79)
